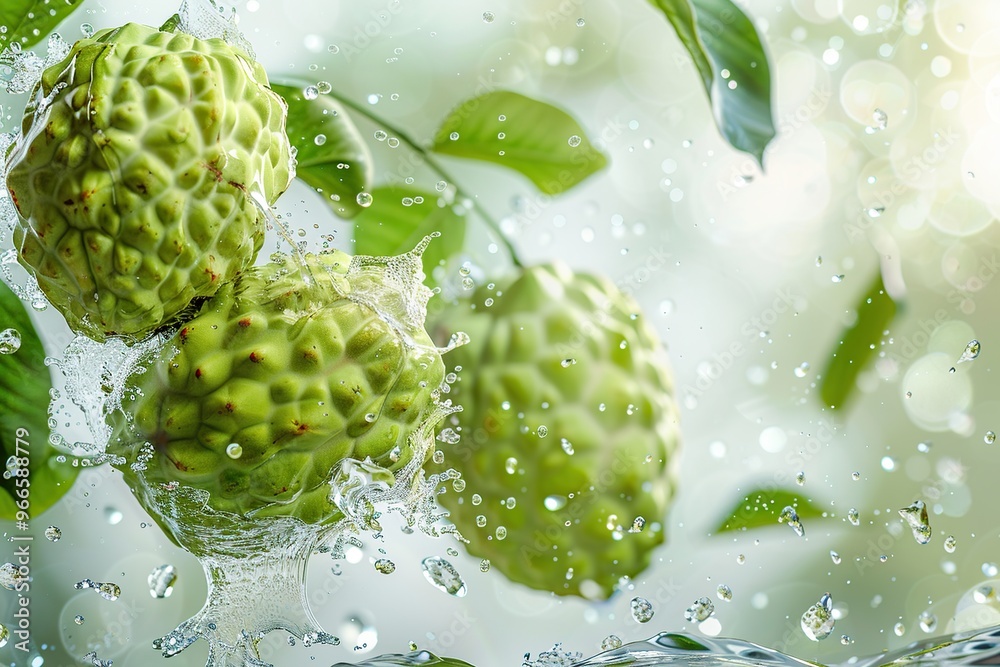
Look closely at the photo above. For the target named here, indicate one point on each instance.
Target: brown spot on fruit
(245, 322)
(197, 373)
(256, 357)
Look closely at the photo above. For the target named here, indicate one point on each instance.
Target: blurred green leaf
(28, 21)
(390, 227)
(761, 508)
(537, 139)
(24, 403)
(339, 167)
(857, 345)
(719, 36)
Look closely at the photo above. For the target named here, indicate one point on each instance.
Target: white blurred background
(764, 272)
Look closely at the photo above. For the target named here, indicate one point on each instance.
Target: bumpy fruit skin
(298, 376)
(135, 184)
(561, 362)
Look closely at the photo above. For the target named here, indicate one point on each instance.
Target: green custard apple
(144, 159)
(569, 431)
(278, 378)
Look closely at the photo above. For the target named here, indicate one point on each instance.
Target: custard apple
(569, 431)
(141, 157)
(277, 379)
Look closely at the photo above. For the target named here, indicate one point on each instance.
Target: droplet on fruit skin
(234, 450)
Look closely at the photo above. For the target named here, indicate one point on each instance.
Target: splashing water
(970, 352)
(818, 621)
(791, 517)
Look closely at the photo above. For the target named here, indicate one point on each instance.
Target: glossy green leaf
(761, 508)
(399, 217)
(857, 345)
(30, 21)
(534, 138)
(24, 402)
(720, 38)
(340, 165)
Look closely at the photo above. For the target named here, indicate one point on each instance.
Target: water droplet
(319, 139)
(699, 610)
(484, 565)
(567, 446)
(818, 621)
(453, 136)
(542, 431)
(438, 457)
(579, 24)
(161, 581)
(380, 135)
(880, 121)
(510, 503)
(566, 363)
(10, 341)
(839, 278)
(916, 516)
(990, 437)
(87, 30)
(113, 515)
(364, 199)
(476, 499)
(324, 87)
(835, 557)
(638, 524)
(802, 369)
(899, 629)
(642, 610)
(510, 465)
(4, 635)
(234, 450)
(855, 476)
(741, 559)
(984, 594)
(385, 566)
(950, 544)
(854, 517)
(310, 92)
(990, 569)
(78, 619)
(10, 576)
(554, 503)
(489, 17)
(481, 520)
(574, 141)
(611, 642)
(800, 478)
(443, 576)
(53, 534)
(789, 516)
(724, 592)
(928, 621)
(846, 639)
(501, 532)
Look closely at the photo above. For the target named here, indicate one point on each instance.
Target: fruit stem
(438, 168)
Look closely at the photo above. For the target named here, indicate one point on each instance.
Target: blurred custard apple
(136, 176)
(569, 431)
(273, 383)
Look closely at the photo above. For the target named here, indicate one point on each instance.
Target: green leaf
(536, 139)
(390, 227)
(857, 345)
(762, 507)
(28, 21)
(340, 167)
(24, 402)
(719, 36)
